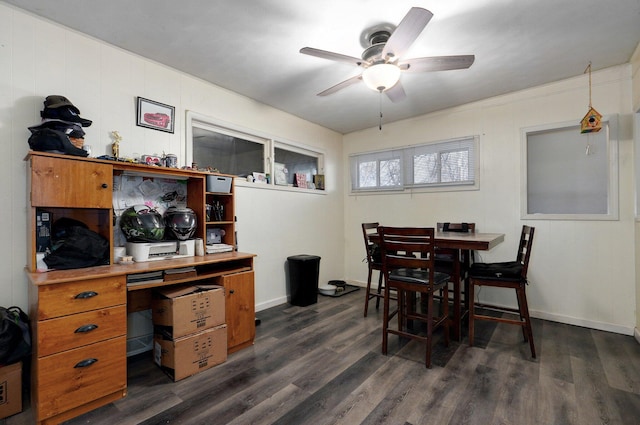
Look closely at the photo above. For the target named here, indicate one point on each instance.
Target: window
(227, 150)
(570, 175)
(450, 163)
(378, 170)
(241, 152)
(294, 160)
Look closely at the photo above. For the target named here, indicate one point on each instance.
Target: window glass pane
(228, 154)
(562, 176)
(425, 168)
(454, 166)
(390, 173)
(367, 174)
(296, 162)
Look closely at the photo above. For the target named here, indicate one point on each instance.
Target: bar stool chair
(374, 262)
(511, 275)
(408, 267)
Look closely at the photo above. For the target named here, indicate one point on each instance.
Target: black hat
(65, 113)
(56, 101)
(49, 140)
(71, 129)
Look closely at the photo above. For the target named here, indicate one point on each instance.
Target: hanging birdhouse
(592, 122)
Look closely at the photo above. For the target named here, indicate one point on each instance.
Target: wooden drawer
(75, 297)
(65, 333)
(63, 383)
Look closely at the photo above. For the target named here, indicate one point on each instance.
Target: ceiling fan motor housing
(377, 41)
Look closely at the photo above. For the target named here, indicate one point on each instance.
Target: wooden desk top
(57, 276)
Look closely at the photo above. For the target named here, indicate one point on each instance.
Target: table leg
(457, 310)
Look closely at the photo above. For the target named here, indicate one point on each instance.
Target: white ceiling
(252, 46)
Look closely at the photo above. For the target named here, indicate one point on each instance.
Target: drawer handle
(85, 363)
(86, 294)
(86, 328)
(231, 291)
(104, 185)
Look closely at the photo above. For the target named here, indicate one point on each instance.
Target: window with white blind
(569, 175)
(444, 165)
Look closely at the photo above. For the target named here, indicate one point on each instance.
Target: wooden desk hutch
(79, 317)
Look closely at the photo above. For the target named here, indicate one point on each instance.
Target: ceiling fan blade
(396, 93)
(406, 32)
(340, 86)
(331, 56)
(437, 63)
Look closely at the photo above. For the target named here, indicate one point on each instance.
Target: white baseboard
(282, 300)
(602, 326)
(636, 335)
(271, 303)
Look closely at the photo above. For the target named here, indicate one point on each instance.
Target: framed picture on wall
(155, 115)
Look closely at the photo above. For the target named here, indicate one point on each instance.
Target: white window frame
(269, 143)
(289, 146)
(207, 123)
(610, 129)
(406, 155)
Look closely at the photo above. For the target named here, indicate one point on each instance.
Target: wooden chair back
(456, 227)
(367, 230)
(407, 248)
(524, 248)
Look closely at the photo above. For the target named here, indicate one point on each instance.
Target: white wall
(635, 65)
(39, 58)
(582, 272)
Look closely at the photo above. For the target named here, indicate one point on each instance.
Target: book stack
(218, 247)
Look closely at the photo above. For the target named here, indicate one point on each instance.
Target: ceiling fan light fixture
(382, 76)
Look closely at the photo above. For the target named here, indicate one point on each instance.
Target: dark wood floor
(322, 364)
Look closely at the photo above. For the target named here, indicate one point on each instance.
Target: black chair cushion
(417, 276)
(509, 270)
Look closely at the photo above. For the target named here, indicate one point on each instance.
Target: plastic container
(303, 278)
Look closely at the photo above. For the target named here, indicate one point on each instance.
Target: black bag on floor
(15, 335)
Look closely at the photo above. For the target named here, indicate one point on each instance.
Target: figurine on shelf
(115, 146)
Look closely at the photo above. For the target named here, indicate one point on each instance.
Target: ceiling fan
(382, 58)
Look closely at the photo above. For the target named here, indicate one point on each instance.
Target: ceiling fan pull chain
(380, 100)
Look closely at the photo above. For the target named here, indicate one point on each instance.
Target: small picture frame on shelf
(301, 180)
(259, 177)
(280, 174)
(155, 115)
(318, 180)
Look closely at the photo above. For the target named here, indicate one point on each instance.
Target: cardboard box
(183, 310)
(191, 354)
(11, 389)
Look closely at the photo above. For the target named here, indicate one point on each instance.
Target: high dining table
(472, 241)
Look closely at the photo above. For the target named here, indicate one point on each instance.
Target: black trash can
(303, 278)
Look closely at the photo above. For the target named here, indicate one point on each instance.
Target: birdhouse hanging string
(591, 123)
